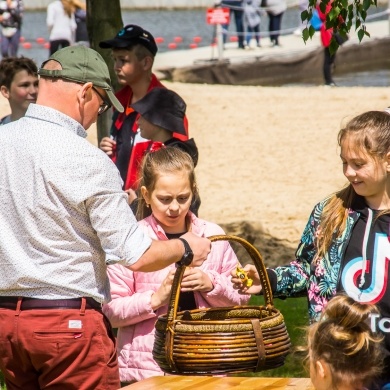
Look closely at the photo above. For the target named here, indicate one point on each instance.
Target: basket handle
(256, 258)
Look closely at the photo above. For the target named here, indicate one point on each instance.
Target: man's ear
(86, 91)
(4, 91)
(84, 94)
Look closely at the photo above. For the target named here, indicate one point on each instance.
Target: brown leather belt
(36, 303)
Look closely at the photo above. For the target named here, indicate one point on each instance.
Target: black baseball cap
(131, 35)
(164, 108)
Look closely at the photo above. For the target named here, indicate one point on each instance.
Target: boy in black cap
(161, 114)
(133, 50)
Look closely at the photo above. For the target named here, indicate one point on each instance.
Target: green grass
(295, 314)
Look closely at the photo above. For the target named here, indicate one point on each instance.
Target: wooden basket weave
(221, 340)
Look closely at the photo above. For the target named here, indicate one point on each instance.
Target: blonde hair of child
(69, 7)
(159, 163)
(344, 340)
(370, 132)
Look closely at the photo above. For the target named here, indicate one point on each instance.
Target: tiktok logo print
(379, 273)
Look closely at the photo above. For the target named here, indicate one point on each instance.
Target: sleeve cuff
(273, 279)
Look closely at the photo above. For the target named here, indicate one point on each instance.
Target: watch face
(187, 258)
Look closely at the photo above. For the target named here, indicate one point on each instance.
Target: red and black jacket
(126, 155)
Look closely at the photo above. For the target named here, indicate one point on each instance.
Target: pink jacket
(131, 292)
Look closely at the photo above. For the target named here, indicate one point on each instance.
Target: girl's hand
(161, 296)
(195, 279)
(252, 273)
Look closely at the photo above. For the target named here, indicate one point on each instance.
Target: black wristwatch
(188, 254)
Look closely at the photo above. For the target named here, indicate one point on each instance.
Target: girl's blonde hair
(69, 7)
(344, 340)
(158, 163)
(370, 132)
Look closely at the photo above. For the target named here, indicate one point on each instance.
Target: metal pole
(220, 41)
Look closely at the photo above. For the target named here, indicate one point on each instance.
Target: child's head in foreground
(344, 353)
(365, 155)
(167, 185)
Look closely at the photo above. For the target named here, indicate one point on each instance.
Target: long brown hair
(371, 135)
(69, 7)
(155, 164)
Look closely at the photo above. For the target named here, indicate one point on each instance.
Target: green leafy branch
(341, 17)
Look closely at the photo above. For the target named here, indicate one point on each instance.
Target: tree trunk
(104, 20)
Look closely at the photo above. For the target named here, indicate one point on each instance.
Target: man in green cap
(64, 219)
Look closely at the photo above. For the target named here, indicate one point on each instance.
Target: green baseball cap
(82, 65)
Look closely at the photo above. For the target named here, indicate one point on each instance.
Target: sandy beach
(267, 155)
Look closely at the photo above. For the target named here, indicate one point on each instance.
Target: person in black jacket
(236, 8)
(161, 113)
(80, 15)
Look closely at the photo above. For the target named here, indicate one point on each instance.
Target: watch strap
(187, 247)
(188, 254)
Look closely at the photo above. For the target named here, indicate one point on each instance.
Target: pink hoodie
(130, 309)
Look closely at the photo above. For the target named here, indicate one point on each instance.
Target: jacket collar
(198, 226)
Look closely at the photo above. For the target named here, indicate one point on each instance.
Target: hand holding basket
(222, 340)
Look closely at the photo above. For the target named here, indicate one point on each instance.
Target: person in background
(345, 245)
(237, 9)
(161, 115)
(11, 17)
(61, 23)
(64, 218)
(344, 353)
(133, 49)
(168, 186)
(275, 10)
(252, 21)
(326, 37)
(19, 85)
(80, 14)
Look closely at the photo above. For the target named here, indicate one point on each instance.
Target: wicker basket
(222, 340)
